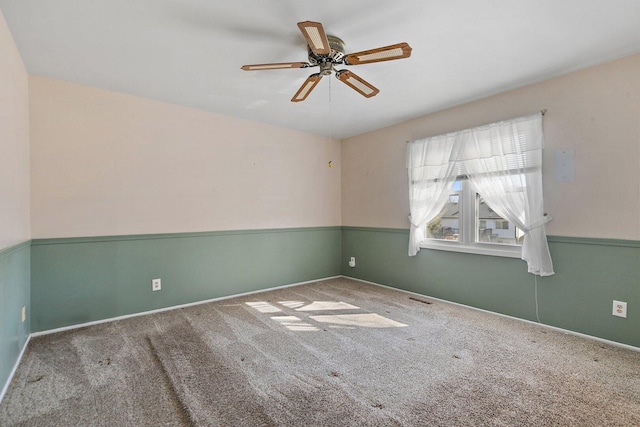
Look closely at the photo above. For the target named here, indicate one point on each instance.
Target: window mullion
(468, 213)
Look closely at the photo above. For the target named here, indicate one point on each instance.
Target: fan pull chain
(331, 127)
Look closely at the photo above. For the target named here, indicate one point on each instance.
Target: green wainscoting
(79, 280)
(590, 274)
(14, 294)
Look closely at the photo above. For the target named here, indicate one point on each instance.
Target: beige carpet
(332, 353)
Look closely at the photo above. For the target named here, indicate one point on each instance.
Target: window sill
(478, 249)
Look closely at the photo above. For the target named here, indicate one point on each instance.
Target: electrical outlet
(352, 262)
(24, 313)
(620, 308)
(156, 284)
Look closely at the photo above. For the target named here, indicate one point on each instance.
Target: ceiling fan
(326, 52)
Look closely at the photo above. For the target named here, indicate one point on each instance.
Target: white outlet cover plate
(620, 308)
(156, 284)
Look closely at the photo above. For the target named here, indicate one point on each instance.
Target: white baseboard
(555, 328)
(15, 368)
(173, 307)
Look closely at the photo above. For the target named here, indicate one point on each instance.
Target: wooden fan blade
(306, 88)
(277, 66)
(316, 38)
(357, 83)
(387, 53)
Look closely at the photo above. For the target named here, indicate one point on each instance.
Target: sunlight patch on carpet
(336, 321)
(292, 304)
(368, 320)
(294, 323)
(327, 305)
(263, 307)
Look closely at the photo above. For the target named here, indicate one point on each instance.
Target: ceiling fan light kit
(326, 51)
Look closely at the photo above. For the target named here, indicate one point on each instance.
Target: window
(468, 190)
(446, 226)
(467, 223)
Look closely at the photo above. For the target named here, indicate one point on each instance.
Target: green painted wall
(78, 280)
(14, 294)
(590, 274)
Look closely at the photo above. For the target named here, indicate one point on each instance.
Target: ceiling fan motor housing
(326, 62)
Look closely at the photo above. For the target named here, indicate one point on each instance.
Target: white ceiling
(189, 52)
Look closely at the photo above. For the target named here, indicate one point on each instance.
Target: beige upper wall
(105, 163)
(14, 143)
(595, 111)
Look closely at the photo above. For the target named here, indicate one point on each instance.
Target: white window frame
(467, 221)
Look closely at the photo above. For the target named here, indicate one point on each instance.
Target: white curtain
(503, 162)
(431, 177)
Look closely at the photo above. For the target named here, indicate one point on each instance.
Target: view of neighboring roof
(451, 210)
